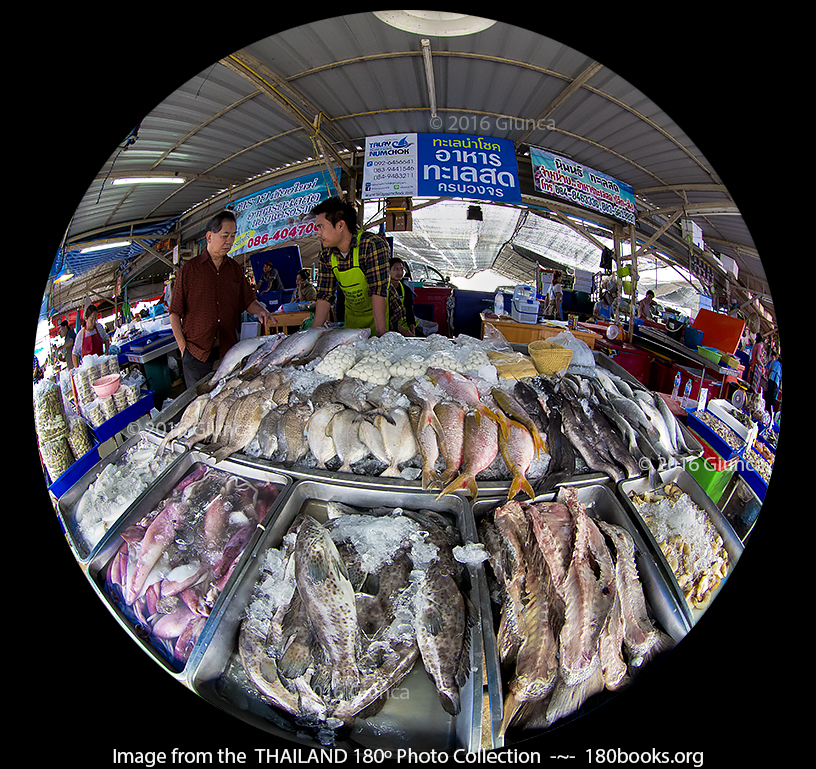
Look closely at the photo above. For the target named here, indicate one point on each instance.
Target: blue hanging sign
(280, 213)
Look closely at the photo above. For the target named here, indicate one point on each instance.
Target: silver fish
(335, 338)
(398, 439)
(294, 346)
(320, 442)
(344, 430)
(230, 362)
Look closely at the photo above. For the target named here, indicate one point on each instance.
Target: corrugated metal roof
(221, 129)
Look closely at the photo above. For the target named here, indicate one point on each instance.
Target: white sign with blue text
(441, 165)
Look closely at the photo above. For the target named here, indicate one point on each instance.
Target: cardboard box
(398, 221)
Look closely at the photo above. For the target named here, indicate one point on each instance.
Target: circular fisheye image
(407, 386)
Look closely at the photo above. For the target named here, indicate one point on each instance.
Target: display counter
(524, 333)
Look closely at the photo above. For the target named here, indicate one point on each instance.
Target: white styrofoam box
(524, 312)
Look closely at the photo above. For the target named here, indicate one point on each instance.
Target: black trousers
(194, 369)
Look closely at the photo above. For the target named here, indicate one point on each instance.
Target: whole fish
(510, 406)
(292, 442)
(481, 446)
(317, 435)
(328, 599)
(344, 430)
(398, 439)
(232, 360)
(267, 433)
(248, 414)
(562, 454)
(427, 429)
(451, 418)
(517, 450)
(461, 388)
(583, 441)
(527, 396)
(667, 436)
(189, 419)
(257, 360)
(335, 338)
(441, 625)
(294, 346)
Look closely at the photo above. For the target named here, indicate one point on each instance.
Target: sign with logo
(441, 165)
(575, 183)
(280, 213)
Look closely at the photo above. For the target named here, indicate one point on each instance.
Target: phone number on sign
(282, 233)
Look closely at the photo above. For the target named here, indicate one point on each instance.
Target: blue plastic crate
(695, 424)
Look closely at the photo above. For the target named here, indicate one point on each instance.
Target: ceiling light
(105, 246)
(434, 22)
(63, 276)
(150, 180)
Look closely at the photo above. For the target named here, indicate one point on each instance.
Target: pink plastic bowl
(107, 385)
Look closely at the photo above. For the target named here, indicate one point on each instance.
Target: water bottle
(676, 388)
(687, 391)
(498, 303)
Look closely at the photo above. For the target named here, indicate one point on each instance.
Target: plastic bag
(583, 361)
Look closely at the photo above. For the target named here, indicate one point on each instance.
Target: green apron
(359, 312)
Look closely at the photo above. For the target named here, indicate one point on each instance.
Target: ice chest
(524, 311)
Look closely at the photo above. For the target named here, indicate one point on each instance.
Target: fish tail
(462, 481)
(511, 707)
(567, 698)
(223, 453)
(450, 702)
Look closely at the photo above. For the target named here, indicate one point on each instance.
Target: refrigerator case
(98, 570)
(415, 717)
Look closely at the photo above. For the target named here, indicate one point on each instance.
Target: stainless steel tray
(686, 482)
(67, 503)
(417, 720)
(111, 542)
(663, 606)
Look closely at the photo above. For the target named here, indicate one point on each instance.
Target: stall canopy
(307, 98)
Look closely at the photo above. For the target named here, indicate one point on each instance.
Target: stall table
(524, 333)
(287, 322)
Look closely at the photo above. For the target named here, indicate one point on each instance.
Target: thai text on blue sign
(280, 213)
(577, 183)
(441, 165)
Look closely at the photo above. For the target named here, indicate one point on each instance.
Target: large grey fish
(328, 598)
(294, 346)
(232, 360)
(256, 362)
(582, 439)
(335, 338)
(344, 430)
(441, 625)
(267, 433)
(189, 419)
(317, 436)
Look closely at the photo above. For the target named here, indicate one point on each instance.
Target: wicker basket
(549, 358)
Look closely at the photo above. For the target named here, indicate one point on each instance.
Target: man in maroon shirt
(209, 294)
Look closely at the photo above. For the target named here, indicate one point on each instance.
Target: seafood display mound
(430, 409)
(688, 539)
(573, 618)
(174, 562)
(342, 610)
